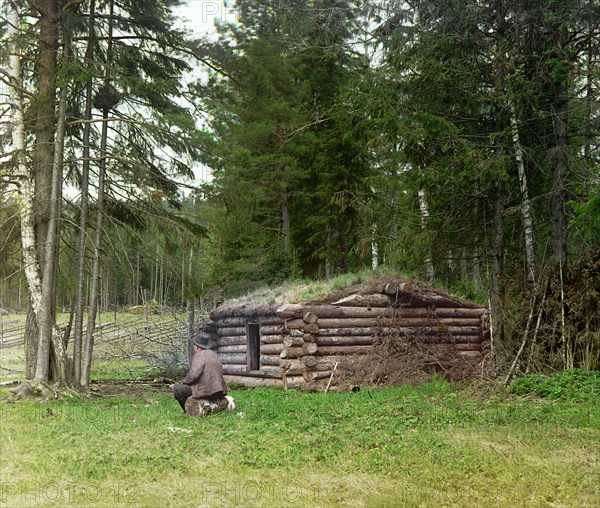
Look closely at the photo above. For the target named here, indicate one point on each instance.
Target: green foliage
(573, 384)
(291, 163)
(586, 223)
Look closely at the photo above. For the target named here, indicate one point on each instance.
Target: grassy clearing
(426, 446)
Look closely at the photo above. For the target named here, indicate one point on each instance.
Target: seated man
(203, 389)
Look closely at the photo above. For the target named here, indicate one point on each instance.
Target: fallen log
(255, 382)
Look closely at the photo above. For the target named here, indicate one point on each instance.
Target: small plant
(574, 384)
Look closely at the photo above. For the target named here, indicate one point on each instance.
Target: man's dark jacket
(206, 375)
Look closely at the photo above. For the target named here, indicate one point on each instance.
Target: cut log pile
(301, 343)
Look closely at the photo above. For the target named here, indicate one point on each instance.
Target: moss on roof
(266, 300)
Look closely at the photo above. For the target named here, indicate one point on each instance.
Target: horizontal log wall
(303, 343)
(253, 382)
(325, 311)
(382, 321)
(232, 347)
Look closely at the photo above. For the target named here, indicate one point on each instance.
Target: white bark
(374, 249)
(24, 182)
(525, 201)
(424, 207)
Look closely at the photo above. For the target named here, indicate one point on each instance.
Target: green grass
(428, 446)
(306, 290)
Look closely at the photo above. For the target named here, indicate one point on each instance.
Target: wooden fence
(167, 330)
(12, 333)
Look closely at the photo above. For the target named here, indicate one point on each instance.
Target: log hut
(292, 344)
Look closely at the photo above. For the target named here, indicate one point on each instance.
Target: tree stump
(201, 407)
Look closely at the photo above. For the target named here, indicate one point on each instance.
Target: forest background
(451, 141)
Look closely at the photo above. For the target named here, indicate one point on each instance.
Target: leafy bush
(575, 384)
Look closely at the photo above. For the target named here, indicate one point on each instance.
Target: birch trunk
(374, 249)
(25, 185)
(525, 201)
(424, 207)
(26, 193)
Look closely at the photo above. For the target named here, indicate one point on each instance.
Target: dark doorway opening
(253, 346)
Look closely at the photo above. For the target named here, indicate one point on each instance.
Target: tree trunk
(424, 207)
(560, 165)
(497, 293)
(45, 182)
(88, 345)
(190, 329)
(374, 249)
(84, 210)
(49, 335)
(26, 194)
(525, 202)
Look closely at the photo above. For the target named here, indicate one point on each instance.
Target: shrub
(575, 384)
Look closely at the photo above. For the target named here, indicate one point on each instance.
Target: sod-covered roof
(266, 301)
